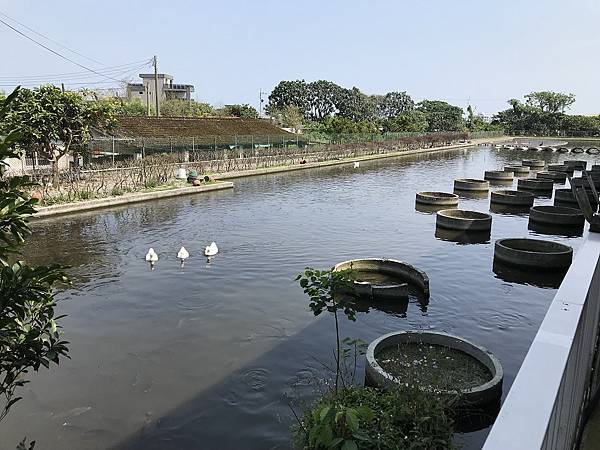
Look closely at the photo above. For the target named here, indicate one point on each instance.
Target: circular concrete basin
(437, 198)
(533, 253)
(566, 196)
(563, 150)
(518, 171)
(535, 185)
(498, 175)
(400, 272)
(471, 184)
(557, 177)
(549, 149)
(576, 164)
(560, 168)
(556, 216)
(577, 150)
(513, 198)
(534, 163)
(592, 151)
(460, 219)
(485, 393)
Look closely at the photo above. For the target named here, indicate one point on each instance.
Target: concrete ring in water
(517, 170)
(577, 150)
(534, 163)
(560, 168)
(513, 198)
(533, 253)
(557, 177)
(557, 216)
(482, 394)
(563, 150)
(460, 219)
(397, 270)
(577, 164)
(592, 151)
(535, 185)
(549, 149)
(471, 184)
(498, 175)
(566, 196)
(437, 198)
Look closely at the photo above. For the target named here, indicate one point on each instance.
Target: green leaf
(349, 445)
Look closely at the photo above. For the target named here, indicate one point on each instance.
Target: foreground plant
(367, 418)
(29, 334)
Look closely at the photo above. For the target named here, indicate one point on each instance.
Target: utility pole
(260, 104)
(62, 86)
(155, 62)
(147, 101)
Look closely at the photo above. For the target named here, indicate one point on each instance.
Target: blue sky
(456, 50)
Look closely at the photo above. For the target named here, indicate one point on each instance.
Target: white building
(167, 90)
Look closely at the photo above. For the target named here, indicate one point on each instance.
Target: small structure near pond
(385, 279)
(463, 220)
(534, 254)
(435, 362)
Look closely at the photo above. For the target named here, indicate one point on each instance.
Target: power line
(82, 74)
(55, 52)
(52, 40)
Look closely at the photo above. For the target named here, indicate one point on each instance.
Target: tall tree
(290, 93)
(354, 105)
(393, 104)
(548, 101)
(323, 99)
(52, 122)
(442, 116)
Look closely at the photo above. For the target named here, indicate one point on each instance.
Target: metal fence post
(113, 151)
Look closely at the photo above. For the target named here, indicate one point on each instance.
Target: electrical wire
(55, 52)
(51, 40)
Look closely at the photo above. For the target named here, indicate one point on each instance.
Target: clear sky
(483, 50)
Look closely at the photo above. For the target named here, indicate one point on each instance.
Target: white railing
(544, 407)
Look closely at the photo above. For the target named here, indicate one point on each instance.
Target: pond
(211, 355)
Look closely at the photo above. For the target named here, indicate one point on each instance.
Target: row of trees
(324, 106)
(543, 113)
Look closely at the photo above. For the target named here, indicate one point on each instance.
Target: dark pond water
(209, 356)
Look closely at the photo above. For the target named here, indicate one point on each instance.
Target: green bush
(367, 418)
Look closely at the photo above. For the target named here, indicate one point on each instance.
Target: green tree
(289, 117)
(442, 116)
(352, 104)
(29, 334)
(289, 93)
(245, 111)
(185, 108)
(394, 104)
(324, 98)
(551, 102)
(411, 121)
(52, 122)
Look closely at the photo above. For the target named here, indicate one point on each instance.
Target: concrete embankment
(68, 208)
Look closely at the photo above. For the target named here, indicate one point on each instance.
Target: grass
(433, 365)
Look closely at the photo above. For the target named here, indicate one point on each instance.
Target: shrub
(367, 418)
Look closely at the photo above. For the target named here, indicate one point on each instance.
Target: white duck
(151, 257)
(356, 164)
(211, 250)
(182, 255)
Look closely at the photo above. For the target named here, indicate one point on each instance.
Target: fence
(548, 401)
(208, 148)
